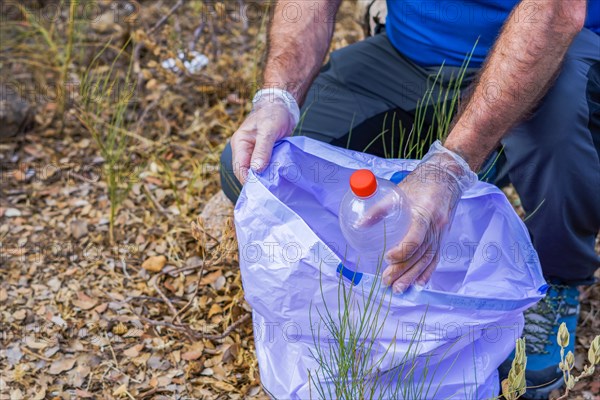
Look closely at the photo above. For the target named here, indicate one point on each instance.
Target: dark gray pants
(552, 159)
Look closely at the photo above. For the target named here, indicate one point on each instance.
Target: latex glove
(433, 190)
(274, 116)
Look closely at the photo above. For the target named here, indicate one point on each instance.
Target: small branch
(244, 20)
(149, 298)
(172, 308)
(198, 225)
(86, 123)
(153, 200)
(154, 322)
(154, 391)
(36, 355)
(229, 329)
(165, 121)
(165, 17)
(124, 267)
(16, 192)
(167, 302)
(180, 328)
(196, 335)
(180, 312)
(180, 270)
(83, 179)
(140, 122)
(197, 33)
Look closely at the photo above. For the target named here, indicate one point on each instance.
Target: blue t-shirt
(433, 31)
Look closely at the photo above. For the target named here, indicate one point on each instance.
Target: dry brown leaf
(101, 308)
(231, 352)
(120, 390)
(192, 355)
(153, 180)
(214, 309)
(84, 302)
(79, 228)
(34, 344)
(20, 314)
(211, 278)
(62, 365)
(141, 359)
(78, 374)
(164, 381)
(134, 351)
(224, 386)
(84, 394)
(20, 175)
(154, 263)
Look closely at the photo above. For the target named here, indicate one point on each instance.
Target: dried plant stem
(165, 17)
(197, 335)
(67, 58)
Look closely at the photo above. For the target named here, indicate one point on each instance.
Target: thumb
(262, 152)
(377, 212)
(272, 128)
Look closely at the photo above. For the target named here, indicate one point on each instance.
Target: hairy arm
(517, 73)
(299, 37)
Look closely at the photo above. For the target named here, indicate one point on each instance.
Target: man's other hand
(274, 116)
(433, 190)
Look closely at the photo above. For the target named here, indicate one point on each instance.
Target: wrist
(471, 157)
(293, 88)
(451, 164)
(280, 96)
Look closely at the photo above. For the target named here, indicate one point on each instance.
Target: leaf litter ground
(159, 313)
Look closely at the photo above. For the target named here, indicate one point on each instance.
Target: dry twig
(165, 17)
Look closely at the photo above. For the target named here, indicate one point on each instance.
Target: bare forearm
(299, 37)
(518, 72)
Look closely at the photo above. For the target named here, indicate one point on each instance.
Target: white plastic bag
(465, 322)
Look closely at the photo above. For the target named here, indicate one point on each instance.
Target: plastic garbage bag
(458, 329)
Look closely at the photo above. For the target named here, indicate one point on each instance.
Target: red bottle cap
(363, 183)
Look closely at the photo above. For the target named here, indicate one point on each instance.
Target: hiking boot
(542, 374)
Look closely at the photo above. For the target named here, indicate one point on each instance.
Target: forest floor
(156, 309)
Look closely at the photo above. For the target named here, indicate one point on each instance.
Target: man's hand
(298, 40)
(274, 115)
(433, 189)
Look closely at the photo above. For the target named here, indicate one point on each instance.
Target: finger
(396, 267)
(417, 232)
(407, 276)
(401, 284)
(242, 145)
(428, 271)
(378, 211)
(262, 152)
(269, 129)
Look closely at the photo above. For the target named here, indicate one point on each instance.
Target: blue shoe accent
(542, 374)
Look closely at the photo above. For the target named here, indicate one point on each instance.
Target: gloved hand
(274, 116)
(433, 189)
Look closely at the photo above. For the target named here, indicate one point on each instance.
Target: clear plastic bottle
(374, 217)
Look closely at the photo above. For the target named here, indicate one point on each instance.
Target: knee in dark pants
(230, 185)
(552, 160)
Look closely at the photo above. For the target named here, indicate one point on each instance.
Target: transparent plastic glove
(274, 116)
(433, 190)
